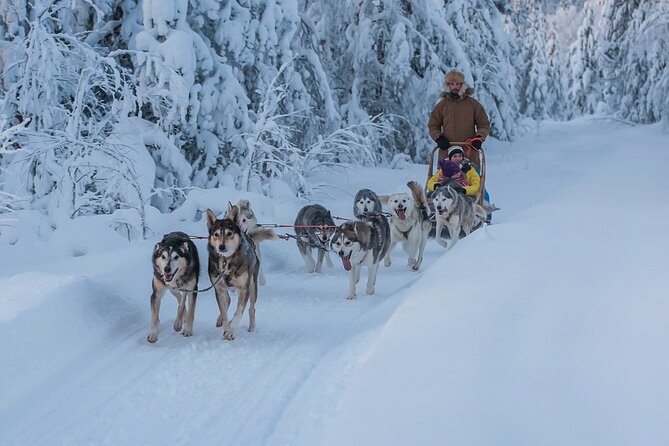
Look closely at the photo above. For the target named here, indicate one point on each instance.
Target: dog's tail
(419, 197)
(260, 234)
(480, 212)
(490, 208)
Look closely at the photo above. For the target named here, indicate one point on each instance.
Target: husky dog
(246, 219)
(456, 212)
(362, 242)
(409, 224)
(176, 267)
(314, 237)
(366, 201)
(233, 263)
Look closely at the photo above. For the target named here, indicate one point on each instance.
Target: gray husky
(456, 212)
(314, 227)
(246, 219)
(362, 242)
(366, 201)
(176, 267)
(233, 263)
(409, 224)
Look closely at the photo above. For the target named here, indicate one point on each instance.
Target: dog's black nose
(168, 269)
(341, 253)
(221, 247)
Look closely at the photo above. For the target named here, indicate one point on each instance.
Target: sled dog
(176, 266)
(233, 263)
(246, 219)
(366, 201)
(456, 212)
(409, 224)
(362, 242)
(309, 238)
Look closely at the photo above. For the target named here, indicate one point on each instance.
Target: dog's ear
(185, 246)
(233, 213)
(211, 218)
(244, 204)
(157, 248)
(363, 231)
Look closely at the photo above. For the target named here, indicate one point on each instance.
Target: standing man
(458, 117)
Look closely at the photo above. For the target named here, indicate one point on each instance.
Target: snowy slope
(547, 327)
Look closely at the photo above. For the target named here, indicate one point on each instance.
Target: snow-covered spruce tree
(536, 92)
(165, 62)
(584, 74)
(645, 66)
(518, 24)
(63, 100)
(613, 31)
(555, 82)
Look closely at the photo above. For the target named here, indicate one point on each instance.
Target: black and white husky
(313, 228)
(366, 201)
(362, 242)
(409, 224)
(456, 212)
(246, 219)
(176, 267)
(233, 263)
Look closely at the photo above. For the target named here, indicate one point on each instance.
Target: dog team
(234, 248)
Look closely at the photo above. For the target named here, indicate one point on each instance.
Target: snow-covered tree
(62, 102)
(584, 75)
(555, 83)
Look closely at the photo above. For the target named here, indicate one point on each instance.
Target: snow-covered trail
(88, 376)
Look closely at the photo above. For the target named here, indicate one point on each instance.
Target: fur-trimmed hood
(465, 90)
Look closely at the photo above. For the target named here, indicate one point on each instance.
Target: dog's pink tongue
(346, 261)
(400, 214)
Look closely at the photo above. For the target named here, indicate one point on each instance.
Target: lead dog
(176, 267)
(409, 224)
(233, 263)
(313, 228)
(362, 242)
(246, 219)
(456, 212)
(366, 201)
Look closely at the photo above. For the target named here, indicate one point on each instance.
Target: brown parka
(458, 119)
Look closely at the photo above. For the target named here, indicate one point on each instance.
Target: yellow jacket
(471, 177)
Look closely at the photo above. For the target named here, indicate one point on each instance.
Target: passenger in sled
(459, 170)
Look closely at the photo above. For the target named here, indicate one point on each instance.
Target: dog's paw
(387, 262)
(350, 298)
(370, 291)
(414, 266)
(186, 332)
(442, 242)
(219, 321)
(228, 335)
(177, 326)
(152, 338)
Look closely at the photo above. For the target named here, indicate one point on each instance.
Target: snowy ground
(547, 328)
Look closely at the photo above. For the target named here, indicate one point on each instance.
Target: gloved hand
(476, 142)
(443, 143)
(466, 167)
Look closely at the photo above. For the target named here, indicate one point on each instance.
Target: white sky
(548, 327)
